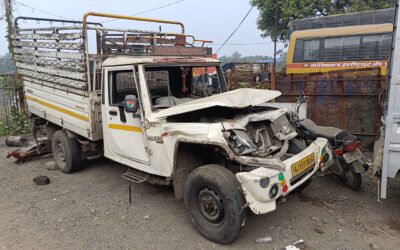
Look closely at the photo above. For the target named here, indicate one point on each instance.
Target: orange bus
(349, 47)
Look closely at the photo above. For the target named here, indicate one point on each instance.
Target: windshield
(173, 85)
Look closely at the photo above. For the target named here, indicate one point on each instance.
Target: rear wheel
(215, 203)
(351, 179)
(66, 152)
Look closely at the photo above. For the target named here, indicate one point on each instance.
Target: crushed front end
(261, 141)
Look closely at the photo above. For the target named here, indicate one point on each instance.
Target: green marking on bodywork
(281, 177)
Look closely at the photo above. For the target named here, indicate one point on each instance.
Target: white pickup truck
(158, 104)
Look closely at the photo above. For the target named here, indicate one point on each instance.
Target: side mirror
(131, 104)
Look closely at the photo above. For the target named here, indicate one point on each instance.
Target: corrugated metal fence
(8, 97)
(348, 99)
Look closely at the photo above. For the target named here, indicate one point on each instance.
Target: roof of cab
(129, 60)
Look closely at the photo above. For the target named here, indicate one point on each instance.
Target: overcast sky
(206, 19)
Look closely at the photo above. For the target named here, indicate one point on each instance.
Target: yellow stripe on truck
(124, 127)
(55, 107)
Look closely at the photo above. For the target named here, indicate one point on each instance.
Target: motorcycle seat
(330, 133)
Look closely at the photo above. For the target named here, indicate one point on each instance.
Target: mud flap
(357, 167)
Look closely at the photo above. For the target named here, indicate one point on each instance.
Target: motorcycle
(348, 160)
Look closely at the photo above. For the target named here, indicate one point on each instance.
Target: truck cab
(160, 105)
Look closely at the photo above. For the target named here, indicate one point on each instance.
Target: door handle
(113, 112)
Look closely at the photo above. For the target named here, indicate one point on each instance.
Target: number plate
(353, 156)
(303, 165)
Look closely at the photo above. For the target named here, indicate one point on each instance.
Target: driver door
(124, 138)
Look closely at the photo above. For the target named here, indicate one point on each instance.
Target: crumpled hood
(239, 98)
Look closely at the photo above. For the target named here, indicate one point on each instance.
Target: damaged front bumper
(264, 185)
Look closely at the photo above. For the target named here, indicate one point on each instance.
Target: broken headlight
(282, 127)
(241, 142)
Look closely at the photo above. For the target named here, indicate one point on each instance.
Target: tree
(237, 57)
(7, 65)
(296, 9)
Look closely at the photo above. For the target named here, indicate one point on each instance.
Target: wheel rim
(60, 149)
(211, 206)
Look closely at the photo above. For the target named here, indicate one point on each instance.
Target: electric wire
(42, 11)
(236, 29)
(147, 11)
(237, 44)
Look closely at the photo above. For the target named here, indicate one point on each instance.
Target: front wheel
(351, 179)
(215, 203)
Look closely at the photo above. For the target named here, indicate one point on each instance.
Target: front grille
(298, 178)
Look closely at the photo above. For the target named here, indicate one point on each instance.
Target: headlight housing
(240, 142)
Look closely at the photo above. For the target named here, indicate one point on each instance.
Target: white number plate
(352, 156)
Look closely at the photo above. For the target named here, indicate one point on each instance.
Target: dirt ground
(90, 210)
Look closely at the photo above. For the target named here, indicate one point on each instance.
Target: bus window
(311, 50)
(386, 45)
(333, 49)
(370, 48)
(351, 48)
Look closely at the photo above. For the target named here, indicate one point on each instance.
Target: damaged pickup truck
(159, 105)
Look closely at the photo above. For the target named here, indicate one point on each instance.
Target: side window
(122, 83)
(351, 48)
(332, 49)
(311, 50)
(298, 51)
(370, 48)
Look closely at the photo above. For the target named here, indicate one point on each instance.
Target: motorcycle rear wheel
(351, 179)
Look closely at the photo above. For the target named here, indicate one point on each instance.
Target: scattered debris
(16, 141)
(319, 230)
(28, 152)
(264, 240)
(314, 218)
(337, 199)
(373, 246)
(146, 217)
(381, 230)
(51, 165)
(298, 245)
(41, 180)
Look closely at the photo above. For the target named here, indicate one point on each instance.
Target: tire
(295, 147)
(66, 152)
(215, 203)
(351, 179)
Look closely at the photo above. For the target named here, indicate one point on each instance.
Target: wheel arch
(190, 155)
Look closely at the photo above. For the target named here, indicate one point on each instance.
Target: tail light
(351, 146)
(339, 151)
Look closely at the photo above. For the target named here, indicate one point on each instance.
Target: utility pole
(10, 27)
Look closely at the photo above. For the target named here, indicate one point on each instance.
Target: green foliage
(237, 57)
(18, 124)
(6, 64)
(296, 9)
